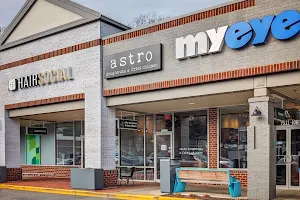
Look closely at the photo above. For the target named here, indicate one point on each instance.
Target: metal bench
(37, 175)
(206, 176)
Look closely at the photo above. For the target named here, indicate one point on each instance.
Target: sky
(121, 10)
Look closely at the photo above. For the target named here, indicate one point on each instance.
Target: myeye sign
(134, 61)
(283, 27)
(40, 79)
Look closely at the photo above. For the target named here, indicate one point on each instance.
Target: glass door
(281, 156)
(163, 149)
(287, 154)
(293, 161)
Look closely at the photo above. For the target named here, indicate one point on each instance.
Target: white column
(12, 142)
(261, 150)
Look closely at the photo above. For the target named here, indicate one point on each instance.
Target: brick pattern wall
(14, 174)
(241, 176)
(213, 137)
(207, 78)
(58, 171)
(51, 54)
(110, 178)
(40, 102)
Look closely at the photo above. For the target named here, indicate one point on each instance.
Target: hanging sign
(36, 131)
(279, 113)
(128, 124)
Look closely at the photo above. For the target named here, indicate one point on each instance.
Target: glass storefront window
(233, 138)
(132, 145)
(69, 143)
(191, 138)
(163, 122)
(149, 140)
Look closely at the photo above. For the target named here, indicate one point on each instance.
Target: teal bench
(206, 176)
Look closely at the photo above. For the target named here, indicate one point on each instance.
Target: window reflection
(233, 139)
(132, 145)
(191, 138)
(69, 143)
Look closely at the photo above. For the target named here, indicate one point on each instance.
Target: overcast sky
(120, 10)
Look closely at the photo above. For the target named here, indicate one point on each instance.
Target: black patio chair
(126, 174)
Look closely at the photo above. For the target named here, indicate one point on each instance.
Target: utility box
(168, 174)
(89, 179)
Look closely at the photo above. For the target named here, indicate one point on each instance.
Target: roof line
(88, 15)
(174, 18)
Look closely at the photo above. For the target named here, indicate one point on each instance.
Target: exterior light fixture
(256, 112)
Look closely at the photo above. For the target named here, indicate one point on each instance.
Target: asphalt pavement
(24, 195)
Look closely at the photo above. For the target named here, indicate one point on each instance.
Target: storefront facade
(54, 67)
(234, 64)
(209, 88)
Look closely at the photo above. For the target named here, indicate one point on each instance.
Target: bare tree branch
(146, 19)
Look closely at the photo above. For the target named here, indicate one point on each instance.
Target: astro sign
(40, 79)
(284, 26)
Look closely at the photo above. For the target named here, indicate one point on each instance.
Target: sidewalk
(141, 190)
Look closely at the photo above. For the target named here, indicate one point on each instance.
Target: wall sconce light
(256, 112)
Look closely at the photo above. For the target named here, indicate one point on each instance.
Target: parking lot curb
(87, 193)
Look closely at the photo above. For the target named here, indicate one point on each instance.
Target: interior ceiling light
(191, 103)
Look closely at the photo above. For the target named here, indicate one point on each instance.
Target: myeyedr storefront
(205, 87)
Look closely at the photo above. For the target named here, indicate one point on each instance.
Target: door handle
(284, 159)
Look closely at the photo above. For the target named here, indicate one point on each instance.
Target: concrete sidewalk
(141, 190)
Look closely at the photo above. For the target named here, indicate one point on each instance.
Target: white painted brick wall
(273, 52)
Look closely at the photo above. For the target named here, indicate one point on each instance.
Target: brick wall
(213, 137)
(110, 178)
(14, 174)
(240, 175)
(58, 171)
(213, 147)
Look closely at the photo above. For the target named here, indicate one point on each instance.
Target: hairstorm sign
(283, 27)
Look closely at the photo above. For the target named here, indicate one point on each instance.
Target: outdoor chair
(125, 174)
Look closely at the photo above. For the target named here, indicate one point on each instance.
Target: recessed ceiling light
(191, 103)
(74, 115)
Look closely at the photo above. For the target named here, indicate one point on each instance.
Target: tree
(148, 18)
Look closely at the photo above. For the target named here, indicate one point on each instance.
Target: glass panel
(163, 122)
(280, 157)
(117, 145)
(295, 153)
(138, 174)
(150, 174)
(77, 143)
(233, 139)
(163, 149)
(64, 143)
(149, 141)
(132, 145)
(191, 138)
(83, 146)
(33, 150)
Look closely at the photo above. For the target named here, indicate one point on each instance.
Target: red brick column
(213, 137)
(110, 178)
(14, 174)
